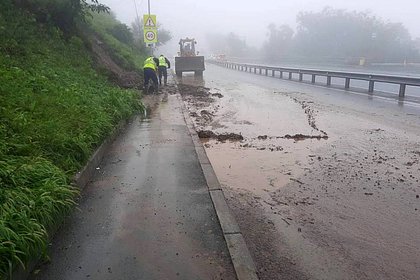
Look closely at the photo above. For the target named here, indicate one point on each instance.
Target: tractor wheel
(179, 73)
(198, 73)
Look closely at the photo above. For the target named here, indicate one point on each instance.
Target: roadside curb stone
(243, 263)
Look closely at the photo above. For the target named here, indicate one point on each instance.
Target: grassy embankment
(55, 109)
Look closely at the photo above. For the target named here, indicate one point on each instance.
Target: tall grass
(54, 111)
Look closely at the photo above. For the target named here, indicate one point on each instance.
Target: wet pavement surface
(147, 214)
(324, 184)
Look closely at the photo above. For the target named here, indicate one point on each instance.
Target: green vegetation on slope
(119, 40)
(54, 110)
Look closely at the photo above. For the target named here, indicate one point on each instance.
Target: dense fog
(345, 31)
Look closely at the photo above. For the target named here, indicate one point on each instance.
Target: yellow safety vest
(162, 61)
(150, 63)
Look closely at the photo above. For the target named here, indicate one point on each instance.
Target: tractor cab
(187, 47)
(188, 59)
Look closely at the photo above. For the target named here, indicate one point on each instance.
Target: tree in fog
(339, 34)
(231, 44)
(217, 43)
(164, 35)
(236, 45)
(65, 14)
(278, 43)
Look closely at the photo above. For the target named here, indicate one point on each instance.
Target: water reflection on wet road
(341, 207)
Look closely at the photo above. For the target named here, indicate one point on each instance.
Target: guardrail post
(347, 85)
(371, 78)
(371, 86)
(402, 90)
(328, 80)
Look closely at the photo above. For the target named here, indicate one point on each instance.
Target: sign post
(150, 29)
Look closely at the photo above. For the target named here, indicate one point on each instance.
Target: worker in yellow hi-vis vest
(164, 65)
(150, 69)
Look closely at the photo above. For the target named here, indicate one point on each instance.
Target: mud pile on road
(208, 134)
(200, 95)
(311, 121)
(199, 102)
(300, 137)
(202, 105)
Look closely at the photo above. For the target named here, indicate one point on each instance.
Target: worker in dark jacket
(164, 65)
(150, 69)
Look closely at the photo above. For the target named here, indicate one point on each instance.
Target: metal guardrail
(348, 76)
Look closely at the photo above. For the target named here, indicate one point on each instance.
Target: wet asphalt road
(346, 207)
(147, 213)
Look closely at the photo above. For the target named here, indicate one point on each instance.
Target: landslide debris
(208, 134)
(299, 137)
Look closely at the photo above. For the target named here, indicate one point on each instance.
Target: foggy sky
(249, 19)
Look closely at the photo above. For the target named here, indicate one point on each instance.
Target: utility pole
(138, 19)
(148, 10)
(149, 28)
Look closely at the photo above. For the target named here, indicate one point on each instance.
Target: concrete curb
(241, 258)
(82, 178)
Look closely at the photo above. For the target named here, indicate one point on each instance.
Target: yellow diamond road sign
(149, 21)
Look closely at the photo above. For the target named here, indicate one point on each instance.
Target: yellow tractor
(188, 59)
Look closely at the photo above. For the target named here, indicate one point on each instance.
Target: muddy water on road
(345, 206)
